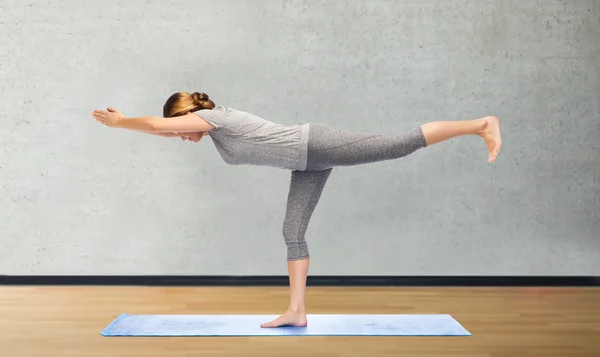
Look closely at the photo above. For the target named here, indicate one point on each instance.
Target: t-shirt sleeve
(214, 116)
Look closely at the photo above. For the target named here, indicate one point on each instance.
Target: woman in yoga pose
(309, 151)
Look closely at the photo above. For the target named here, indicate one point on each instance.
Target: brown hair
(182, 102)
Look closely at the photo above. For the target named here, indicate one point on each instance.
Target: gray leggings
(328, 148)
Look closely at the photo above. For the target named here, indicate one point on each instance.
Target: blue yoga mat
(318, 325)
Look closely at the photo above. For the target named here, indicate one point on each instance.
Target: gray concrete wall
(78, 198)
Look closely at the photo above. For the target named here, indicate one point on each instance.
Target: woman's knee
(297, 250)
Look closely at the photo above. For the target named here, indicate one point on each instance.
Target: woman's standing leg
(304, 194)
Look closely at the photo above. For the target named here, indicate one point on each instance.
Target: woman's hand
(109, 118)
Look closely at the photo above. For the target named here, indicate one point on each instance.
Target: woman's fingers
(101, 112)
(99, 116)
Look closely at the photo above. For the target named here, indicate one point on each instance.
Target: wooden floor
(505, 322)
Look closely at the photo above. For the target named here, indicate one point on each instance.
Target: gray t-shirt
(246, 139)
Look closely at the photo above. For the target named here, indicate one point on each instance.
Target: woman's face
(193, 137)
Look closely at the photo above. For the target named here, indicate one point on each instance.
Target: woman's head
(181, 103)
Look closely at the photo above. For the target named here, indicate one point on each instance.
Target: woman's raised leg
(330, 147)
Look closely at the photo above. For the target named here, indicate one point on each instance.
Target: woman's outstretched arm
(189, 122)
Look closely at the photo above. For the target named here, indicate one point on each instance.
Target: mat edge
(113, 322)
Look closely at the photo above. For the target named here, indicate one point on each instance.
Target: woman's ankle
(297, 308)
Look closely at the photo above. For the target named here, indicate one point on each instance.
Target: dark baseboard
(314, 280)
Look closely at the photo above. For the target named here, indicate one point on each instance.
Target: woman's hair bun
(199, 97)
(202, 101)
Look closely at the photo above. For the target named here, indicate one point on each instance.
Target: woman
(309, 151)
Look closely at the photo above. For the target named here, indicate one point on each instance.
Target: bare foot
(491, 135)
(289, 318)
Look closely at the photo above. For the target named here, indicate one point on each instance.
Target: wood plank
(525, 322)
